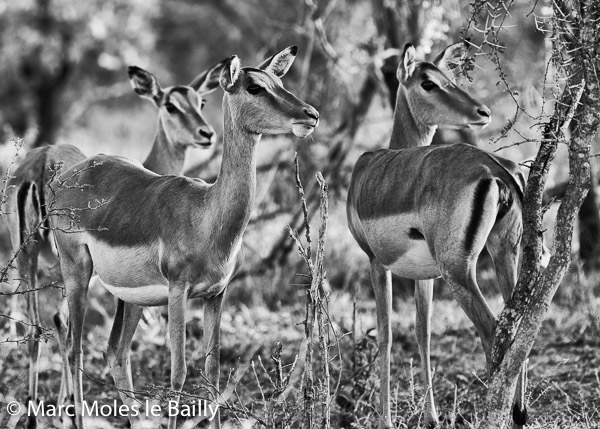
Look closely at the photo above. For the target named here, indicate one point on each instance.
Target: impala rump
(391, 205)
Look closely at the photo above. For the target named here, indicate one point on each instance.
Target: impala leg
(468, 295)
(505, 254)
(26, 264)
(213, 308)
(14, 275)
(382, 286)
(177, 303)
(22, 222)
(77, 272)
(29, 265)
(423, 301)
(115, 337)
(34, 332)
(62, 333)
(118, 354)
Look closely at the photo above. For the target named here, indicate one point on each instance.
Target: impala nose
(312, 112)
(484, 111)
(206, 133)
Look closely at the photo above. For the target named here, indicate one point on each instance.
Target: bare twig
(18, 143)
(316, 311)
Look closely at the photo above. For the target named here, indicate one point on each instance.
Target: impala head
(431, 92)
(258, 101)
(180, 107)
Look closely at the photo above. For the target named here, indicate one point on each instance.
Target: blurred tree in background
(55, 54)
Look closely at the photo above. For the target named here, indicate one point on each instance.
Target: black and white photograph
(299, 214)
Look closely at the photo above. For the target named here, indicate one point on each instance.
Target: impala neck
(407, 132)
(235, 188)
(165, 157)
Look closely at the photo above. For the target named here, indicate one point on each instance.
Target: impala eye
(428, 85)
(255, 89)
(170, 108)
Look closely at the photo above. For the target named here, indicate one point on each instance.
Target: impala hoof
(31, 420)
(519, 416)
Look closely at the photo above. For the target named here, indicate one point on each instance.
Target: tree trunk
(46, 83)
(521, 319)
(48, 113)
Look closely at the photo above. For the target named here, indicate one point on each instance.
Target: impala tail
(31, 214)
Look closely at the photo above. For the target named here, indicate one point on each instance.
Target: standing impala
(423, 211)
(165, 239)
(180, 126)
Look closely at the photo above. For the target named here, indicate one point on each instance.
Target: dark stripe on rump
(415, 234)
(41, 200)
(21, 195)
(27, 195)
(481, 191)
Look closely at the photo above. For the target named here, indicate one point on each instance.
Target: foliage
(53, 51)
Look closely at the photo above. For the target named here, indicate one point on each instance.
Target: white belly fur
(132, 274)
(147, 296)
(126, 267)
(153, 295)
(388, 239)
(416, 263)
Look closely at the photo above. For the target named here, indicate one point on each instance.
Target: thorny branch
(41, 333)
(33, 234)
(51, 210)
(18, 143)
(482, 32)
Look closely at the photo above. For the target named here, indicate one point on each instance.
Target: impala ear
(280, 63)
(450, 58)
(230, 73)
(145, 84)
(407, 67)
(207, 81)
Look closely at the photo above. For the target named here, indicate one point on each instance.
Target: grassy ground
(564, 384)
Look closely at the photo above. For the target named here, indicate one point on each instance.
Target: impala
(180, 126)
(166, 239)
(423, 211)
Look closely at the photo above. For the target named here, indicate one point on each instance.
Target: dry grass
(563, 391)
